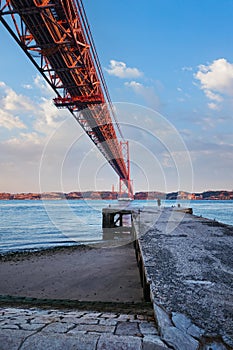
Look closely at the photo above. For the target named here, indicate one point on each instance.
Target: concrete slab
(189, 261)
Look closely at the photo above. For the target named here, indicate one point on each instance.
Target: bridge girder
(56, 37)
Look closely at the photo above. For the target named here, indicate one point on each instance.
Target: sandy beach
(76, 273)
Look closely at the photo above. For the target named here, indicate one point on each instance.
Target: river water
(38, 224)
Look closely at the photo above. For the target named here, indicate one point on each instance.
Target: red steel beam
(55, 35)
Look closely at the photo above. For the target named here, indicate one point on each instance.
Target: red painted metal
(56, 37)
(126, 187)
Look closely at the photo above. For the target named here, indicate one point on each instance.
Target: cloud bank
(216, 81)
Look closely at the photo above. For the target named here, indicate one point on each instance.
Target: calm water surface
(37, 224)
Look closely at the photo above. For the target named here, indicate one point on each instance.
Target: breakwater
(185, 265)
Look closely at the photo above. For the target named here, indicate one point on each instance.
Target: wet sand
(75, 273)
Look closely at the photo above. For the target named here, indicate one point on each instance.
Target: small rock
(195, 331)
(178, 339)
(162, 318)
(152, 342)
(181, 321)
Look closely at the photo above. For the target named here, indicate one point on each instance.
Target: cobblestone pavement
(41, 329)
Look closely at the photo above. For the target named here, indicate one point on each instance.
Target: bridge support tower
(126, 184)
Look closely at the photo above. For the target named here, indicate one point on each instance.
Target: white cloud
(43, 86)
(120, 70)
(213, 106)
(11, 101)
(137, 87)
(10, 121)
(212, 96)
(27, 86)
(216, 80)
(147, 92)
(25, 139)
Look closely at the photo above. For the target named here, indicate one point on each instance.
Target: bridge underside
(56, 37)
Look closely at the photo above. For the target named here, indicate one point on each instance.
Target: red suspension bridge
(56, 37)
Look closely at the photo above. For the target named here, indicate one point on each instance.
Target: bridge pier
(113, 217)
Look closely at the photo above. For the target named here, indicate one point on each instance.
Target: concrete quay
(27, 329)
(186, 270)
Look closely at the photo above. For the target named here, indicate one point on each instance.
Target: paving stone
(20, 319)
(11, 339)
(45, 319)
(178, 339)
(31, 326)
(109, 315)
(141, 317)
(114, 342)
(123, 317)
(127, 328)
(58, 327)
(69, 319)
(108, 322)
(41, 341)
(153, 343)
(131, 318)
(75, 314)
(92, 315)
(148, 328)
(93, 328)
(83, 320)
(11, 311)
(14, 320)
(10, 326)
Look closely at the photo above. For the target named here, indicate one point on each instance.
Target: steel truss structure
(56, 37)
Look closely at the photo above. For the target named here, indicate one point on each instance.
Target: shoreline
(27, 253)
(19, 254)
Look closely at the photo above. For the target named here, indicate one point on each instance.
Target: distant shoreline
(107, 195)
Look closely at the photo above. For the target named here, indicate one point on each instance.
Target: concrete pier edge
(175, 329)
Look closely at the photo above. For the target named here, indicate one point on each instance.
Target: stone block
(31, 326)
(162, 318)
(83, 320)
(109, 315)
(181, 321)
(195, 331)
(148, 328)
(115, 342)
(11, 339)
(49, 341)
(93, 328)
(58, 327)
(108, 321)
(127, 328)
(177, 339)
(153, 342)
(92, 315)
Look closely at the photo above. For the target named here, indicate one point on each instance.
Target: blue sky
(175, 57)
